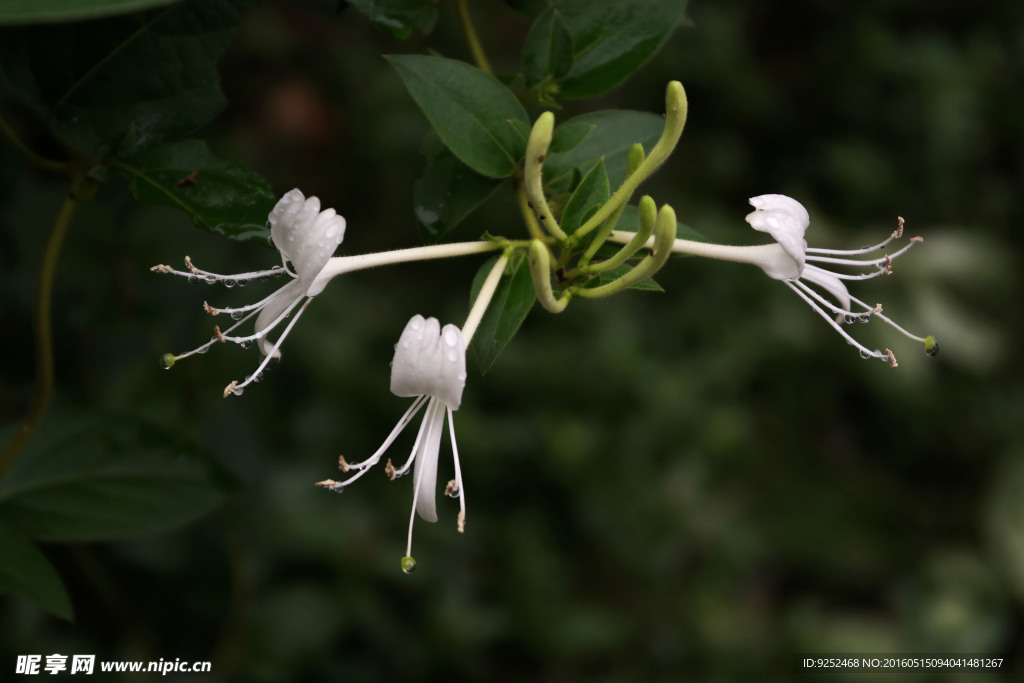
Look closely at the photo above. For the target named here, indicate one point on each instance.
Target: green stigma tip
(931, 346)
(408, 564)
(167, 361)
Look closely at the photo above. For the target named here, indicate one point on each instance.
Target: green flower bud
(167, 361)
(931, 346)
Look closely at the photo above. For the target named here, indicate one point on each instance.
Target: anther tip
(167, 361)
(230, 389)
(408, 564)
(931, 346)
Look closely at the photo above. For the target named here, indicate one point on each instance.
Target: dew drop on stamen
(865, 354)
(258, 377)
(865, 318)
(237, 391)
(408, 564)
(848, 319)
(243, 283)
(210, 279)
(237, 315)
(194, 279)
(167, 361)
(229, 283)
(245, 344)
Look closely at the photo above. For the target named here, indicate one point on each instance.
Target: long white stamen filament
(458, 473)
(891, 323)
(483, 299)
(367, 464)
(416, 444)
(262, 366)
(214, 340)
(828, 304)
(853, 252)
(217, 277)
(256, 306)
(838, 328)
(266, 330)
(858, 262)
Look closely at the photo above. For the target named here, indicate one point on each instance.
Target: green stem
(33, 158)
(43, 331)
(475, 46)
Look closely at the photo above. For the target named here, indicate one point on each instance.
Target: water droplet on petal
(452, 356)
(462, 377)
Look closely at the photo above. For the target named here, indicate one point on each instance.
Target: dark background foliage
(684, 486)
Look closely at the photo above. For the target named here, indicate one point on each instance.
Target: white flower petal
(785, 219)
(425, 472)
(830, 283)
(305, 235)
(430, 361)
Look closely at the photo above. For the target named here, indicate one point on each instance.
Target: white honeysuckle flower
(306, 238)
(430, 365)
(792, 262)
(799, 267)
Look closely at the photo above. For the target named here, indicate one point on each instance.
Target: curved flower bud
(430, 365)
(306, 238)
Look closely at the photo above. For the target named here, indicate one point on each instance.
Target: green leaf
(52, 11)
(472, 112)
(225, 196)
(399, 17)
(98, 479)
(611, 39)
(512, 301)
(613, 132)
(26, 573)
(447, 192)
(591, 193)
(629, 221)
(568, 136)
(116, 86)
(548, 51)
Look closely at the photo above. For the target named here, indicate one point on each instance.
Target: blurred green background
(684, 486)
